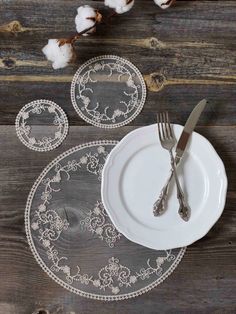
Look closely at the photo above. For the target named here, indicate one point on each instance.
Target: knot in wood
(13, 27)
(154, 43)
(41, 311)
(9, 62)
(155, 81)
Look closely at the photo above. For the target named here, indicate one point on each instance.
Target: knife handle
(184, 210)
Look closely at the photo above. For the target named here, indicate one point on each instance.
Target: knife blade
(188, 129)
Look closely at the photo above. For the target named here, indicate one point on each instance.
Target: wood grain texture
(185, 53)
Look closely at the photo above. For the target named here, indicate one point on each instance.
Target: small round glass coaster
(41, 125)
(108, 91)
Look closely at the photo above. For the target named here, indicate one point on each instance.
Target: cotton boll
(120, 6)
(164, 4)
(87, 17)
(60, 56)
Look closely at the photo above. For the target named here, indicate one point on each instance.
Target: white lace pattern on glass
(98, 222)
(108, 91)
(118, 269)
(58, 125)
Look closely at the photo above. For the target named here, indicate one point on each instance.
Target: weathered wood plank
(178, 68)
(178, 99)
(186, 53)
(170, 44)
(199, 269)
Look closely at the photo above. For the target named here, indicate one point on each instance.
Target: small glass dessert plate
(41, 125)
(108, 91)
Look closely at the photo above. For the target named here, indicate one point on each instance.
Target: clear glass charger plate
(108, 91)
(75, 242)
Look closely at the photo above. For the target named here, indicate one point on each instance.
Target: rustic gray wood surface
(185, 53)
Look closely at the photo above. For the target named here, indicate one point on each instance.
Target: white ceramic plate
(134, 174)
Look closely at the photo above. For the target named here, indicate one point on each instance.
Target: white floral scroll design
(48, 225)
(98, 222)
(36, 108)
(92, 162)
(48, 222)
(96, 113)
(114, 276)
(108, 114)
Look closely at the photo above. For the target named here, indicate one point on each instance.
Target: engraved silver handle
(184, 210)
(159, 206)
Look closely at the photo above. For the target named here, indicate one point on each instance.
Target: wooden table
(185, 53)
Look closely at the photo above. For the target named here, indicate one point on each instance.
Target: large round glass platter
(73, 239)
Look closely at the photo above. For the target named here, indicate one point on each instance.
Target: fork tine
(169, 126)
(164, 125)
(159, 128)
(160, 123)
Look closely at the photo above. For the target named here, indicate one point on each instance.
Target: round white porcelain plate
(134, 174)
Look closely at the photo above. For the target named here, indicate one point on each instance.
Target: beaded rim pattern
(50, 273)
(98, 59)
(64, 124)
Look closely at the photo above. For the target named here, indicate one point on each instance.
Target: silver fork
(168, 141)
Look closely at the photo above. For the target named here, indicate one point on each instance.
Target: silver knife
(188, 129)
(159, 206)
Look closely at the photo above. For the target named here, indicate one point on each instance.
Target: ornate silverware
(159, 206)
(168, 142)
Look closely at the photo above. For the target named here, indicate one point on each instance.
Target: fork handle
(159, 206)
